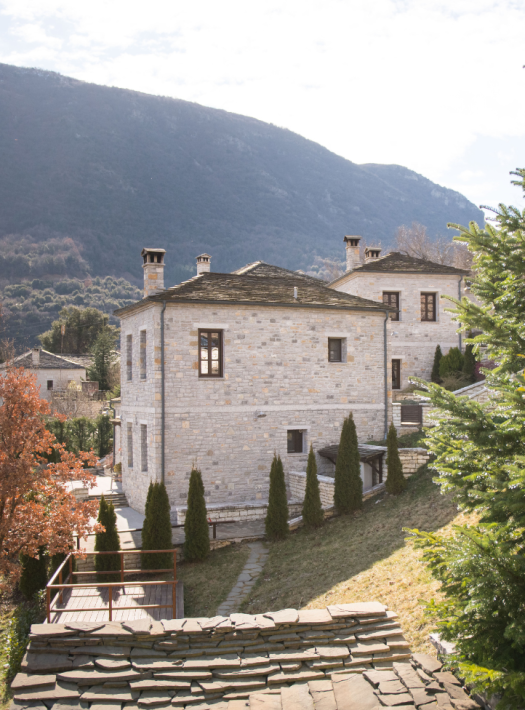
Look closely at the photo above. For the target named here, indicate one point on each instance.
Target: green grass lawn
(361, 557)
(207, 584)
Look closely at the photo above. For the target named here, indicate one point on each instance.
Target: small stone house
(223, 370)
(413, 288)
(53, 372)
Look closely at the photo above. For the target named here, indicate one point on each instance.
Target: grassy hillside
(362, 558)
(115, 170)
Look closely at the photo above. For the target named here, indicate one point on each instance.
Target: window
(295, 441)
(428, 307)
(210, 353)
(411, 414)
(392, 299)
(130, 445)
(335, 350)
(50, 384)
(143, 447)
(129, 357)
(142, 354)
(396, 374)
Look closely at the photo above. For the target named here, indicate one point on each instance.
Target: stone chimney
(153, 270)
(203, 264)
(353, 257)
(372, 253)
(35, 357)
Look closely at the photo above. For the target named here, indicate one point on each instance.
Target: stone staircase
(118, 499)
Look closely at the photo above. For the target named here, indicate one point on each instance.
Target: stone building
(414, 289)
(53, 372)
(223, 370)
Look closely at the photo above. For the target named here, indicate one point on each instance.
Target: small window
(396, 374)
(142, 354)
(210, 353)
(144, 447)
(130, 445)
(392, 299)
(50, 384)
(335, 350)
(428, 307)
(129, 357)
(295, 441)
(411, 414)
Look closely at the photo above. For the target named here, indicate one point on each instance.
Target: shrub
(156, 531)
(348, 486)
(451, 363)
(107, 542)
(16, 635)
(80, 434)
(438, 355)
(395, 480)
(276, 523)
(103, 435)
(469, 364)
(312, 509)
(34, 574)
(196, 529)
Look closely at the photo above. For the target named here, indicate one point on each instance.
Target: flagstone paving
(247, 578)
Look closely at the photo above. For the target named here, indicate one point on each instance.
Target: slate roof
(398, 263)
(261, 285)
(48, 361)
(366, 452)
(346, 656)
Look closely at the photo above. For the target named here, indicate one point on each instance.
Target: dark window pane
(295, 442)
(396, 374)
(210, 353)
(392, 300)
(334, 349)
(428, 306)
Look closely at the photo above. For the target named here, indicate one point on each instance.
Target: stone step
(119, 500)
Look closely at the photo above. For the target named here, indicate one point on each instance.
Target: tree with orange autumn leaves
(37, 506)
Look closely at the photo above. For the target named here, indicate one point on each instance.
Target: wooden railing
(69, 583)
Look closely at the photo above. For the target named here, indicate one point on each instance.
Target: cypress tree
(34, 574)
(469, 364)
(158, 529)
(348, 486)
(276, 523)
(196, 530)
(451, 363)
(312, 509)
(106, 542)
(395, 480)
(435, 377)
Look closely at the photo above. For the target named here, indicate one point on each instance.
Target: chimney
(203, 264)
(372, 253)
(153, 270)
(353, 257)
(35, 357)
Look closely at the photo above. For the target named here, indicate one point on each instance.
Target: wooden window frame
(393, 316)
(411, 415)
(341, 344)
(50, 382)
(208, 375)
(398, 366)
(293, 438)
(424, 306)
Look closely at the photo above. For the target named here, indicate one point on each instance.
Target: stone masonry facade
(276, 377)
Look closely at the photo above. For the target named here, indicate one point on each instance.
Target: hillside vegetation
(108, 171)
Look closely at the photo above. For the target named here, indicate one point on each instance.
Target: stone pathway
(252, 569)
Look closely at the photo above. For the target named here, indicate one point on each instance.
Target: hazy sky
(437, 86)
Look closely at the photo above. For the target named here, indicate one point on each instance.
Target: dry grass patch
(207, 584)
(362, 557)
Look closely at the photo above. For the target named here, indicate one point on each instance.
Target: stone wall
(243, 512)
(276, 377)
(412, 459)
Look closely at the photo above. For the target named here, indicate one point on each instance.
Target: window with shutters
(391, 299)
(130, 445)
(129, 358)
(428, 307)
(143, 350)
(210, 353)
(411, 414)
(396, 374)
(143, 447)
(335, 349)
(295, 441)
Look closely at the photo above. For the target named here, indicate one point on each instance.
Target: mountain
(105, 171)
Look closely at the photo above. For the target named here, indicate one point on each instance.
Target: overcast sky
(437, 86)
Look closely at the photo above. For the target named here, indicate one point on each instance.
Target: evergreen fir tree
(451, 363)
(196, 529)
(469, 364)
(34, 574)
(276, 523)
(435, 377)
(156, 535)
(106, 542)
(395, 480)
(348, 486)
(312, 509)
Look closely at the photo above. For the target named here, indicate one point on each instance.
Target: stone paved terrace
(344, 657)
